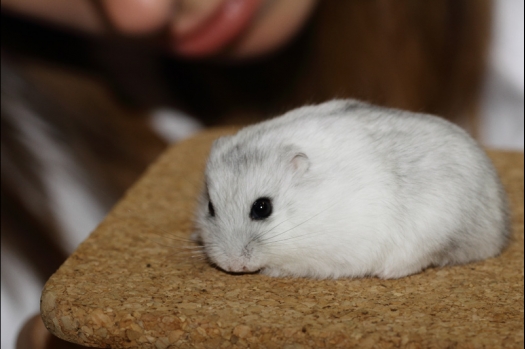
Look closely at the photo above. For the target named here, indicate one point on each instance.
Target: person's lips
(217, 30)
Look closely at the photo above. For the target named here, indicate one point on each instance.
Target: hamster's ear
(300, 163)
(297, 161)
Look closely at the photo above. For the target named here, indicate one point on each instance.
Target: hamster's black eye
(211, 210)
(261, 209)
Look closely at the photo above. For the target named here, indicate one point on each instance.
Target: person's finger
(139, 16)
(78, 14)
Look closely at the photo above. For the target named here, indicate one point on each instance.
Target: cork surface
(130, 285)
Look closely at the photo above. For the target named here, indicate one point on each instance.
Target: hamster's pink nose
(237, 268)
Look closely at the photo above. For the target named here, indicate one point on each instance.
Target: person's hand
(195, 28)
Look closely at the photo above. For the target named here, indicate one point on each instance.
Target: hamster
(349, 189)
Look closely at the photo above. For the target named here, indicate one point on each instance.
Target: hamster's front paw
(273, 272)
(196, 237)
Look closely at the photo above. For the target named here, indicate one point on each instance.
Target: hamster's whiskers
(189, 248)
(286, 231)
(200, 255)
(257, 236)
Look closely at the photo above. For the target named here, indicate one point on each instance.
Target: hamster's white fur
(357, 190)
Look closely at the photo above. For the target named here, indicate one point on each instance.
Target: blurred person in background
(93, 91)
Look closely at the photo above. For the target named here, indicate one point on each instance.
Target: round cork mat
(132, 284)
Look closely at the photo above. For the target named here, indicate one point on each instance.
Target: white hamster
(348, 189)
